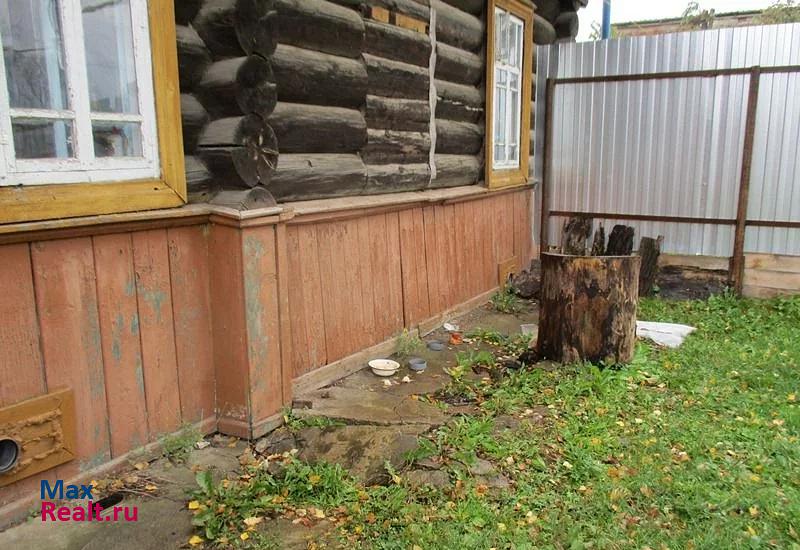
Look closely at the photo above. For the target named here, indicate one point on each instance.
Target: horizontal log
(301, 177)
(458, 138)
(305, 76)
(566, 25)
(186, 10)
(389, 113)
(458, 28)
(193, 57)
(396, 79)
(198, 179)
(394, 178)
(232, 28)
(314, 129)
(457, 65)
(245, 146)
(397, 43)
(548, 9)
(244, 199)
(320, 25)
(255, 26)
(455, 170)
(474, 7)
(393, 146)
(543, 32)
(193, 118)
(240, 85)
(458, 102)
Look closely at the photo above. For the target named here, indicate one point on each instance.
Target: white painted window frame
(510, 138)
(85, 167)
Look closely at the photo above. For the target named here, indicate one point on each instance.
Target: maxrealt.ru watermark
(89, 510)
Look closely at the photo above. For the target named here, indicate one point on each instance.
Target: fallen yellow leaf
(195, 540)
(252, 521)
(194, 505)
(244, 536)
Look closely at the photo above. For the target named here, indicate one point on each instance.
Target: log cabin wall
(330, 98)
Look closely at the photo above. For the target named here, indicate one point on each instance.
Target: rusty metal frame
(737, 261)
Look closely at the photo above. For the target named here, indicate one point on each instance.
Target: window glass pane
(514, 117)
(42, 139)
(500, 39)
(519, 38)
(117, 139)
(512, 44)
(499, 153)
(33, 54)
(108, 37)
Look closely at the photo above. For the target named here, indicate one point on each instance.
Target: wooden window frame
(508, 177)
(23, 203)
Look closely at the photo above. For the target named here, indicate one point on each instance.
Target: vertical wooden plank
(393, 262)
(333, 273)
(432, 260)
(494, 213)
(229, 330)
(473, 265)
(154, 297)
(122, 356)
(297, 301)
(379, 257)
(451, 242)
(408, 259)
(518, 200)
(484, 265)
(262, 321)
(369, 273)
(305, 299)
(508, 225)
(462, 258)
(284, 313)
(21, 370)
(354, 312)
(528, 220)
(189, 279)
(66, 297)
(423, 297)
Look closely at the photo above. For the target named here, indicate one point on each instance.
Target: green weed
(176, 447)
(505, 301)
(408, 344)
(296, 423)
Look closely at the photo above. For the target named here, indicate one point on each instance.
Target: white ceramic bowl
(384, 367)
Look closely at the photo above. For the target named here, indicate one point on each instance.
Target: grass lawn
(690, 448)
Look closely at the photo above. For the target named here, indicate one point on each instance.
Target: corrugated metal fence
(672, 147)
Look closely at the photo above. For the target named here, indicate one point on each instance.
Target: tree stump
(588, 308)
(649, 251)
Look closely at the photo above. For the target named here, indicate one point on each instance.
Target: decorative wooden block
(505, 269)
(44, 429)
